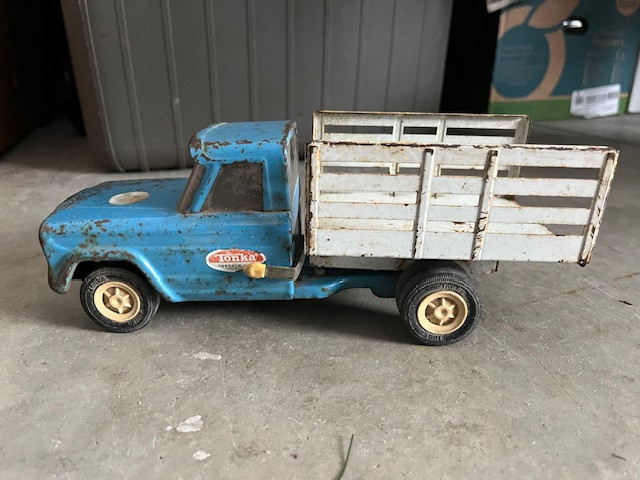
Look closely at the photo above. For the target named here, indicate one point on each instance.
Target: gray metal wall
(152, 72)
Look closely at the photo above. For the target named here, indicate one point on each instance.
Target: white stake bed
(454, 187)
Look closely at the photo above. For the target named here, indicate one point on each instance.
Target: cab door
(233, 231)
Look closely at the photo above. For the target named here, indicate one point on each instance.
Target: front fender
(61, 273)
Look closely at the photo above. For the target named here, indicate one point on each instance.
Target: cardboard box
(546, 70)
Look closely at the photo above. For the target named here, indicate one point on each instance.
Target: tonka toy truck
(401, 203)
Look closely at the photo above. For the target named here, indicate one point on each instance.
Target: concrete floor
(546, 387)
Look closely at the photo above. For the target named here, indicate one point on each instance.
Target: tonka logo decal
(232, 259)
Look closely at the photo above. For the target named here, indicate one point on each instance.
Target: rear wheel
(439, 305)
(118, 300)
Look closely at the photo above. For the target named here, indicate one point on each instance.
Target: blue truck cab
(231, 231)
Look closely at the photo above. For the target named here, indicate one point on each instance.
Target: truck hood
(106, 222)
(123, 199)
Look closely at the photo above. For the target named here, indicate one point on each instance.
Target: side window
(238, 187)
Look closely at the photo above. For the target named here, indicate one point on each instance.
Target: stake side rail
(457, 202)
(420, 128)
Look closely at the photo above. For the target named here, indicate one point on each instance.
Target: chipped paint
(486, 200)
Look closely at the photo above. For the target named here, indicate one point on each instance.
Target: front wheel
(440, 307)
(118, 300)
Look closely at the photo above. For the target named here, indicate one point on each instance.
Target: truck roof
(228, 142)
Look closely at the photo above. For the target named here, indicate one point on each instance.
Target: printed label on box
(596, 102)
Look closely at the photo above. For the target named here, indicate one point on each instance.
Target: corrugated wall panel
(308, 47)
(148, 79)
(187, 50)
(432, 54)
(231, 43)
(162, 69)
(375, 43)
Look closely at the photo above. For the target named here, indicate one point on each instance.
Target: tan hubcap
(117, 301)
(442, 312)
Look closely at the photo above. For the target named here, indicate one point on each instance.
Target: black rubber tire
(421, 269)
(431, 280)
(149, 298)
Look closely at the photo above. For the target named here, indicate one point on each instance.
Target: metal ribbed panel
(163, 69)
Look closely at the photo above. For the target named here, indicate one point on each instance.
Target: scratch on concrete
(480, 327)
(226, 406)
(566, 292)
(624, 277)
(207, 356)
(566, 392)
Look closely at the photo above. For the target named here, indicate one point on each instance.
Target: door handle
(261, 270)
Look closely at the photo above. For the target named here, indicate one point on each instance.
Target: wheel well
(417, 265)
(85, 268)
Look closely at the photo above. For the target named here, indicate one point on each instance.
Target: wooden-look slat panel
(374, 224)
(552, 156)
(451, 227)
(429, 122)
(367, 210)
(455, 200)
(477, 139)
(456, 155)
(521, 247)
(469, 227)
(336, 152)
(447, 246)
(360, 137)
(456, 185)
(523, 155)
(480, 122)
(361, 182)
(420, 138)
(544, 215)
(407, 198)
(356, 164)
(356, 243)
(518, 228)
(446, 213)
(546, 187)
(535, 248)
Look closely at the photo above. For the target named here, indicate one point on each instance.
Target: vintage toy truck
(400, 203)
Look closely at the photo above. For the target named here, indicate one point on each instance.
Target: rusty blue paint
(259, 142)
(170, 247)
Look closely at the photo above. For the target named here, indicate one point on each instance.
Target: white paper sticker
(596, 102)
